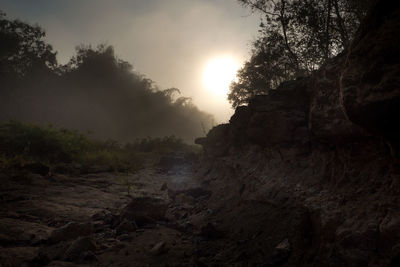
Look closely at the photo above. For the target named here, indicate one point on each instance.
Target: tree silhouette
(95, 91)
(295, 38)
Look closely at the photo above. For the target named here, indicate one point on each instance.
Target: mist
(95, 92)
(168, 41)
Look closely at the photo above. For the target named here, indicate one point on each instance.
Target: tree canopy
(295, 38)
(22, 48)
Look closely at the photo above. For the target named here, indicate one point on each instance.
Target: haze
(171, 42)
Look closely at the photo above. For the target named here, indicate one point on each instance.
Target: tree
(23, 49)
(295, 38)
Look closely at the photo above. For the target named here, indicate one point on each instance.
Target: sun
(219, 73)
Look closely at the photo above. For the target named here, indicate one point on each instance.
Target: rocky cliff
(309, 175)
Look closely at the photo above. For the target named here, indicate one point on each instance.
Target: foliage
(295, 38)
(21, 144)
(22, 48)
(26, 143)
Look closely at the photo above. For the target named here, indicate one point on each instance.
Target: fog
(169, 42)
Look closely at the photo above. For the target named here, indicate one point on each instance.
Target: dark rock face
(279, 118)
(314, 163)
(328, 121)
(370, 82)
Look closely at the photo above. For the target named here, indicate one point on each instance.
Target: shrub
(26, 143)
(22, 144)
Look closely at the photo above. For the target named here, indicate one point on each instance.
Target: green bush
(26, 143)
(22, 144)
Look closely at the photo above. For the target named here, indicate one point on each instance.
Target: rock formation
(309, 175)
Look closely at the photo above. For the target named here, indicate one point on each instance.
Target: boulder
(125, 227)
(78, 250)
(144, 210)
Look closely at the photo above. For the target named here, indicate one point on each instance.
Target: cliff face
(309, 175)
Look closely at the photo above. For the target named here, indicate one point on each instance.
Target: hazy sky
(169, 41)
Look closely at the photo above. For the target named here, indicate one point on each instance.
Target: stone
(209, 231)
(37, 168)
(70, 231)
(328, 121)
(164, 187)
(79, 248)
(170, 162)
(369, 83)
(217, 141)
(144, 210)
(281, 253)
(125, 227)
(159, 248)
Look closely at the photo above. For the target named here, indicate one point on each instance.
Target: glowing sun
(219, 73)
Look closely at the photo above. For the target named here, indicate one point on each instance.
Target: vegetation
(295, 38)
(95, 91)
(22, 144)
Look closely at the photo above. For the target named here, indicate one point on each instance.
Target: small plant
(125, 181)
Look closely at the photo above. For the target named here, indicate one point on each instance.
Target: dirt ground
(84, 219)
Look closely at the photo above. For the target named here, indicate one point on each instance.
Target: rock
(283, 246)
(77, 251)
(88, 256)
(238, 123)
(17, 256)
(19, 231)
(37, 168)
(395, 257)
(188, 195)
(183, 198)
(144, 210)
(217, 141)
(159, 248)
(281, 253)
(61, 264)
(125, 237)
(164, 187)
(389, 230)
(51, 253)
(100, 216)
(125, 227)
(369, 83)
(327, 119)
(200, 140)
(209, 231)
(70, 231)
(169, 162)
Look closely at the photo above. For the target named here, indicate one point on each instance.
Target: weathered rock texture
(369, 84)
(309, 175)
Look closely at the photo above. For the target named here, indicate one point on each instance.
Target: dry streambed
(77, 220)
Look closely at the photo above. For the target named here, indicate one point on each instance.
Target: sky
(168, 41)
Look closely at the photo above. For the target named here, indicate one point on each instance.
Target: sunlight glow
(219, 73)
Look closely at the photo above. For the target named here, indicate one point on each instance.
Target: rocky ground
(89, 219)
(308, 175)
